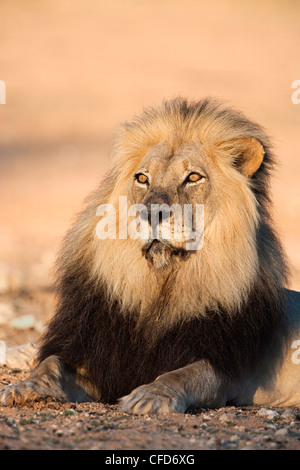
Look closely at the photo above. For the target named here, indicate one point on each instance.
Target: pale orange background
(75, 69)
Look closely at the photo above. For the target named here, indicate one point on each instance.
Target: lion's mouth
(160, 253)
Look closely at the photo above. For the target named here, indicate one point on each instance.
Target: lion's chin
(162, 254)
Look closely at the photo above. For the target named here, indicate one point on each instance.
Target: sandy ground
(73, 71)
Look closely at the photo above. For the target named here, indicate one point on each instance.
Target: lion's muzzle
(161, 254)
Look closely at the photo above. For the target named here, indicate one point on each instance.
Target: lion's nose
(155, 215)
(158, 209)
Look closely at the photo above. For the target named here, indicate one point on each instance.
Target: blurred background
(75, 69)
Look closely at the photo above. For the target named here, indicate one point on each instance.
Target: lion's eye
(193, 177)
(141, 178)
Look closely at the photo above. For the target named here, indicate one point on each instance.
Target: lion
(162, 323)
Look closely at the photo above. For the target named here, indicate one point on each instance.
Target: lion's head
(196, 155)
(182, 174)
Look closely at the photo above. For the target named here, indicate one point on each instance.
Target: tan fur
(212, 324)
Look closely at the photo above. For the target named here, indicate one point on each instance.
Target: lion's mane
(123, 323)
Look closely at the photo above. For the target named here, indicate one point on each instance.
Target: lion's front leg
(51, 378)
(174, 392)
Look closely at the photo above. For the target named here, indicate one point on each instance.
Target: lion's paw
(148, 400)
(10, 395)
(20, 393)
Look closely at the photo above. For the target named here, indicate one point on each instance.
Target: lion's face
(173, 185)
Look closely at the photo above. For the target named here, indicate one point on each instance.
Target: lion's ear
(249, 154)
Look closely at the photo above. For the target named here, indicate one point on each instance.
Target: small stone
(273, 414)
(225, 443)
(288, 415)
(266, 438)
(227, 417)
(212, 441)
(249, 443)
(240, 428)
(262, 412)
(234, 438)
(271, 426)
(206, 417)
(283, 432)
(23, 322)
(270, 414)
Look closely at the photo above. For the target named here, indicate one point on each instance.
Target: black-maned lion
(151, 322)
